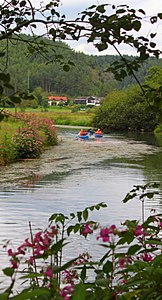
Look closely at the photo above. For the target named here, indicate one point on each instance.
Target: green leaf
(85, 214)
(142, 11)
(101, 8)
(66, 68)
(4, 296)
(22, 3)
(108, 267)
(79, 215)
(120, 11)
(137, 25)
(129, 197)
(79, 292)
(66, 265)
(152, 45)
(57, 246)
(69, 230)
(101, 47)
(8, 271)
(128, 238)
(32, 275)
(83, 273)
(154, 242)
(133, 249)
(152, 35)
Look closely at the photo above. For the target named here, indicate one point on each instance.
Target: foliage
(29, 140)
(130, 267)
(7, 151)
(126, 110)
(27, 143)
(102, 25)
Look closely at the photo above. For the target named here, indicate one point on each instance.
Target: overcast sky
(71, 8)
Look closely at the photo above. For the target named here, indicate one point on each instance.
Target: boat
(98, 135)
(83, 137)
(83, 134)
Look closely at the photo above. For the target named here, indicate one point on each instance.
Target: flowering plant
(130, 268)
(27, 143)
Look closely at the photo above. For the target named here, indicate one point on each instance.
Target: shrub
(27, 143)
(125, 110)
(7, 151)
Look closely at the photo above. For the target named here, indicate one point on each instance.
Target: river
(76, 174)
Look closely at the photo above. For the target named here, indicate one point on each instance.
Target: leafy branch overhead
(102, 25)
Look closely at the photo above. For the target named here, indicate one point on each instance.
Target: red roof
(57, 98)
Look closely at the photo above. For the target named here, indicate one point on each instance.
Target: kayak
(83, 137)
(98, 135)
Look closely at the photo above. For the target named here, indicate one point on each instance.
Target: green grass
(63, 116)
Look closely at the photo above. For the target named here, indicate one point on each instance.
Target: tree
(126, 110)
(95, 24)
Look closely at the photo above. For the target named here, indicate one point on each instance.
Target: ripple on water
(67, 178)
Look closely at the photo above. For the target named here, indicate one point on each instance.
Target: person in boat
(83, 132)
(99, 131)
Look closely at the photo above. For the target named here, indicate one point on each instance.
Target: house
(91, 101)
(55, 100)
(80, 100)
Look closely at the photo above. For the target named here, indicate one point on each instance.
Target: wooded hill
(86, 77)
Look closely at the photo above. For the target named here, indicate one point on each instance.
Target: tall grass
(64, 116)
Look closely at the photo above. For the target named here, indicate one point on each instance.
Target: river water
(76, 174)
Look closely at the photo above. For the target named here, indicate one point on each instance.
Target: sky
(71, 8)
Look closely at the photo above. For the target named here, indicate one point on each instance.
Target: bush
(7, 151)
(27, 143)
(125, 110)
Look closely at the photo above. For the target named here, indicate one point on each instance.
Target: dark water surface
(76, 174)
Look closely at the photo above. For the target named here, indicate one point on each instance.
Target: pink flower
(147, 257)
(49, 273)
(11, 253)
(86, 230)
(37, 237)
(104, 235)
(139, 231)
(46, 240)
(28, 244)
(122, 263)
(112, 228)
(38, 250)
(67, 291)
(14, 264)
(30, 260)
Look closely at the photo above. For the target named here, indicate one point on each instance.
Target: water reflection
(75, 175)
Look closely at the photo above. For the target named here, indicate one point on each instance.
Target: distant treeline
(87, 76)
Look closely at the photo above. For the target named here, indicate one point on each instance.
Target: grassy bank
(25, 146)
(63, 116)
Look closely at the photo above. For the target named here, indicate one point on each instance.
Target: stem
(34, 261)
(61, 253)
(135, 77)
(143, 211)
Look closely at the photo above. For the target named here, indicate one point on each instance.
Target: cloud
(71, 8)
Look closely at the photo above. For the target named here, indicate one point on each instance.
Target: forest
(70, 73)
